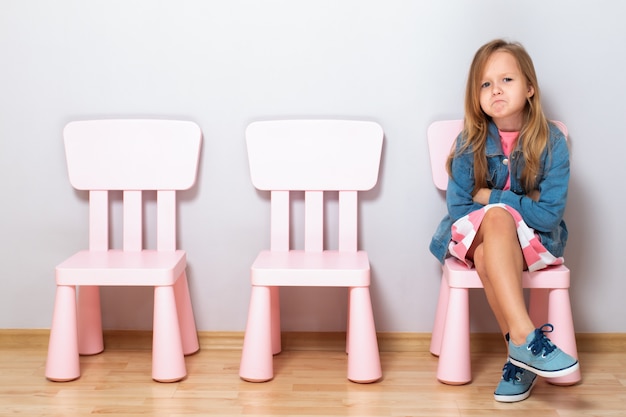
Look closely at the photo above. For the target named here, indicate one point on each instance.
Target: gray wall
(226, 63)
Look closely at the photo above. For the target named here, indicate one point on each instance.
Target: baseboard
(420, 342)
(292, 341)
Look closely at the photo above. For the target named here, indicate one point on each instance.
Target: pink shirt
(508, 140)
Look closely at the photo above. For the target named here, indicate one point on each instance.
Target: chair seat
(122, 268)
(460, 276)
(311, 269)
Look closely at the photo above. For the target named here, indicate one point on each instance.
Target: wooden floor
(307, 383)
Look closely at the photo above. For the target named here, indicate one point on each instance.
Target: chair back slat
(166, 220)
(348, 221)
(314, 156)
(314, 221)
(279, 233)
(98, 220)
(133, 221)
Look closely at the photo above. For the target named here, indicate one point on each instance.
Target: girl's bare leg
(499, 262)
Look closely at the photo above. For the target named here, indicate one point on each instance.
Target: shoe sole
(546, 374)
(515, 398)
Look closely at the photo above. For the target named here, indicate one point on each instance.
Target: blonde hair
(535, 130)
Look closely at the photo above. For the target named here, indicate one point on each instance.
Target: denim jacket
(544, 216)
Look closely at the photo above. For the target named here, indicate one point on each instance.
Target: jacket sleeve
(546, 214)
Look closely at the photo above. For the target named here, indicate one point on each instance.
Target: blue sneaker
(541, 356)
(515, 384)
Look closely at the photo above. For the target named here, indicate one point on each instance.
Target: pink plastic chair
(549, 288)
(313, 156)
(132, 156)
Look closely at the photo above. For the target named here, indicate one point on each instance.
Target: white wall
(226, 63)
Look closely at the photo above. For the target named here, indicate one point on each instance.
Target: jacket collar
(493, 145)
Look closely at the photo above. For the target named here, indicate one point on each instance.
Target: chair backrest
(132, 156)
(441, 137)
(314, 156)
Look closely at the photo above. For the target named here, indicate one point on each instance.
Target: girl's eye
(485, 84)
(507, 79)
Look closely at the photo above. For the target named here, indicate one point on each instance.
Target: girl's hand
(482, 196)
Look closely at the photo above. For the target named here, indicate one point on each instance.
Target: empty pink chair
(313, 156)
(131, 156)
(549, 299)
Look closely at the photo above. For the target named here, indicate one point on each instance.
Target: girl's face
(504, 91)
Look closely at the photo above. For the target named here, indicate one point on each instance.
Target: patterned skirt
(464, 231)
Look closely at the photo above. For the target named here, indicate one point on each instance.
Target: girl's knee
(499, 217)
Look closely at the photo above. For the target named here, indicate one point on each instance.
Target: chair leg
(90, 340)
(560, 315)
(275, 319)
(168, 360)
(186, 321)
(440, 317)
(63, 363)
(348, 326)
(454, 365)
(256, 356)
(363, 358)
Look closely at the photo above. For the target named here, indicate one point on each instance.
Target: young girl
(506, 196)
